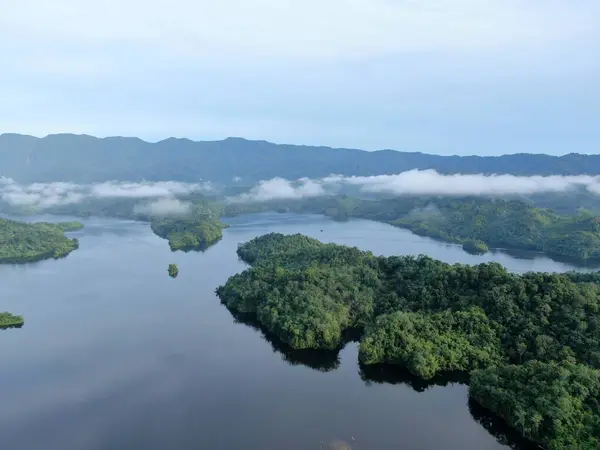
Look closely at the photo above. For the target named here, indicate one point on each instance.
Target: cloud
(45, 195)
(144, 190)
(282, 189)
(163, 207)
(430, 182)
(422, 183)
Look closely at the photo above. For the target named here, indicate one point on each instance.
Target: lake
(116, 355)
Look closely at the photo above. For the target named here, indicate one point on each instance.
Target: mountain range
(87, 159)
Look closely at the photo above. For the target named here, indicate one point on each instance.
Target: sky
(462, 77)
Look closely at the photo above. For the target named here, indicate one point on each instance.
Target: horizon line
(229, 138)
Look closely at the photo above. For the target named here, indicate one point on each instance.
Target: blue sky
(438, 76)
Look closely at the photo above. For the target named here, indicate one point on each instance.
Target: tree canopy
(475, 222)
(554, 403)
(8, 320)
(173, 270)
(188, 233)
(26, 242)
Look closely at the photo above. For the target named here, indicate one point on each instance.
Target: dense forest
(26, 242)
(8, 320)
(474, 222)
(431, 317)
(87, 159)
(475, 246)
(188, 233)
(555, 403)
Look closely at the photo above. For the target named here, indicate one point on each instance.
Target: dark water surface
(116, 355)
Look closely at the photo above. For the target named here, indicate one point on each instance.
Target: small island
(22, 242)
(70, 226)
(173, 270)
(501, 223)
(531, 342)
(8, 320)
(475, 246)
(188, 233)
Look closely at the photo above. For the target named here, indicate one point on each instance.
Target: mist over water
(162, 196)
(115, 354)
(421, 183)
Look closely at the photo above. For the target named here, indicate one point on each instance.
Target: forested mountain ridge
(83, 159)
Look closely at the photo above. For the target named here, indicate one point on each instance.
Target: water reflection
(320, 360)
(201, 248)
(327, 361)
(498, 428)
(8, 327)
(577, 264)
(388, 374)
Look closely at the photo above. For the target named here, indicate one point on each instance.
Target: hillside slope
(82, 158)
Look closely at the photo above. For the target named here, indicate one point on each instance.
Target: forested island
(475, 246)
(475, 222)
(188, 233)
(510, 331)
(27, 242)
(8, 320)
(173, 270)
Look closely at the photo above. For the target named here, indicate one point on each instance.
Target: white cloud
(429, 182)
(421, 182)
(145, 190)
(282, 189)
(164, 207)
(45, 195)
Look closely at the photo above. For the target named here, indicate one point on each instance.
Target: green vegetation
(553, 403)
(173, 270)
(475, 222)
(59, 157)
(509, 224)
(431, 317)
(196, 229)
(430, 343)
(475, 246)
(188, 233)
(481, 222)
(26, 242)
(70, 226)
(8, 320)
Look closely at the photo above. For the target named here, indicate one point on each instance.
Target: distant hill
(82, 159)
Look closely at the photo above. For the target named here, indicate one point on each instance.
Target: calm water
(116, 355)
